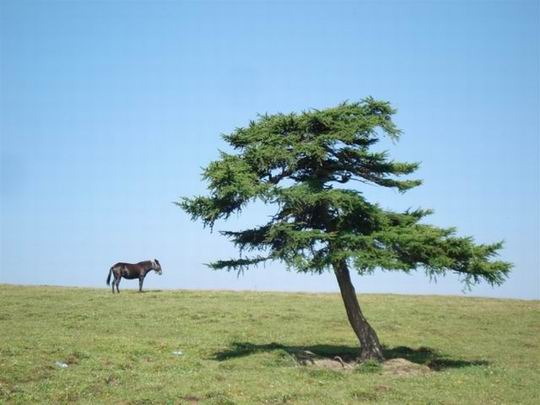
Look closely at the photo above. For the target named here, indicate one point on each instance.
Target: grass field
(240, 347)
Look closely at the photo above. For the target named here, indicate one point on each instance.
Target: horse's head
(157, 267)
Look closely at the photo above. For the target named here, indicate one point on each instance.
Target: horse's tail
(109, 278)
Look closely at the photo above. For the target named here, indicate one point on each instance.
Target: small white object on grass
(177, 353)
(61, 364)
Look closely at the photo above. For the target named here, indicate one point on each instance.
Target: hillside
(245, 347)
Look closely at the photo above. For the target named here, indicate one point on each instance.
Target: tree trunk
(370, 348)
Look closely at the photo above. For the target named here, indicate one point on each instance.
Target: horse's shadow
(136, 292)
(422, 355)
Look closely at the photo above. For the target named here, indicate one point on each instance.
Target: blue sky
(108, 111)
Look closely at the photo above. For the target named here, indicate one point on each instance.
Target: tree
(301, 164)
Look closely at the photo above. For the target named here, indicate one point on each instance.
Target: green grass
(238, 348)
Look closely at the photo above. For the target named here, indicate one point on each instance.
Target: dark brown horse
(132, 271)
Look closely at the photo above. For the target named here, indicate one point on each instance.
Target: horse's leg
(141, 279)
(115, 277)
(117, 284)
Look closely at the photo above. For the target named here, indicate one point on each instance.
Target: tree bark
(370, 348)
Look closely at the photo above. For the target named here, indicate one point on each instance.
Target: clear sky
(108, 111)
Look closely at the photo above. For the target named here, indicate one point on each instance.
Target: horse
(132, 271)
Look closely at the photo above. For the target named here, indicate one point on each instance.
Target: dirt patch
(404, 367)
(399, 366)
(310, 359)
(333, 364)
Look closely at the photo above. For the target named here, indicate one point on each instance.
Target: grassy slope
(236, 347)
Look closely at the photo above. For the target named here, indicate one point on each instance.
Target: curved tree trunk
(370, 348)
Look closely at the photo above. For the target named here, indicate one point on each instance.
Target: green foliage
(301, 164)
(369, 367)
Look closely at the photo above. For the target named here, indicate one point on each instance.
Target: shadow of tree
(429, 357)
(422, 355)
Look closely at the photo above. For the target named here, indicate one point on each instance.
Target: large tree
(305, 165)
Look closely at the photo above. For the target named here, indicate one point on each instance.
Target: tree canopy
(300, 163)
